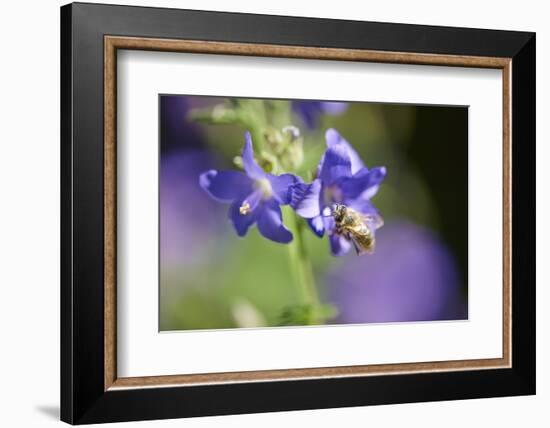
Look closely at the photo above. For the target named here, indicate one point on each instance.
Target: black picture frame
(83, 396)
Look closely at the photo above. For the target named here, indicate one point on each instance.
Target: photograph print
(278, 213)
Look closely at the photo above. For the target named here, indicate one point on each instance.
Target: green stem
(301, 267)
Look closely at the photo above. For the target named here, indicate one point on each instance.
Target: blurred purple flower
(187, 220)
(255, 196)
(411, 277)
(311, 111)
(342, 178)
(177, 132)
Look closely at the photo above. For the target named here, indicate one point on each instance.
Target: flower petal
(309, 112)
(333, 107)
(241, 221)
(364, 206)
(252, 169)
(317, 225)
(372, 190)
(339, 245)
(336, 164)
(333, 138)
(225, 186)
(270, 223)
(369, 193)
(253, 200)
(281, 185)
(365, 182)
(305, 199)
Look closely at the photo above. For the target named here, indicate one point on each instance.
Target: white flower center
(264, 186)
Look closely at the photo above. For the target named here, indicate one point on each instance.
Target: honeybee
(357, 227)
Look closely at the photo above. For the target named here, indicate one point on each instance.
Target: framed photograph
(265, 213)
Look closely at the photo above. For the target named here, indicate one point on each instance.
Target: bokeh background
(212, 279)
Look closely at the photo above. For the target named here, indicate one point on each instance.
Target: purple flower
(412, 276)
(342, 178)
(255, 196)
(311, 111)
(177, 132)
(188, 224)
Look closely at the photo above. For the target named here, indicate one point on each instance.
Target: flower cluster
(256, 196)
(342, 178)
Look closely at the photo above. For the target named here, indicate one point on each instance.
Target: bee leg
(358, 250)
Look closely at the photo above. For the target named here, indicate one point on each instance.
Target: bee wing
(359, 249)
(374, 221)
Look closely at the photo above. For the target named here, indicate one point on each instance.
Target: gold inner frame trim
(113, 43)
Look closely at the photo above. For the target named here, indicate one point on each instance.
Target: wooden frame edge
(112, 43)
(507, 213)
(309, 373)
(109, 198)
(301, 52)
